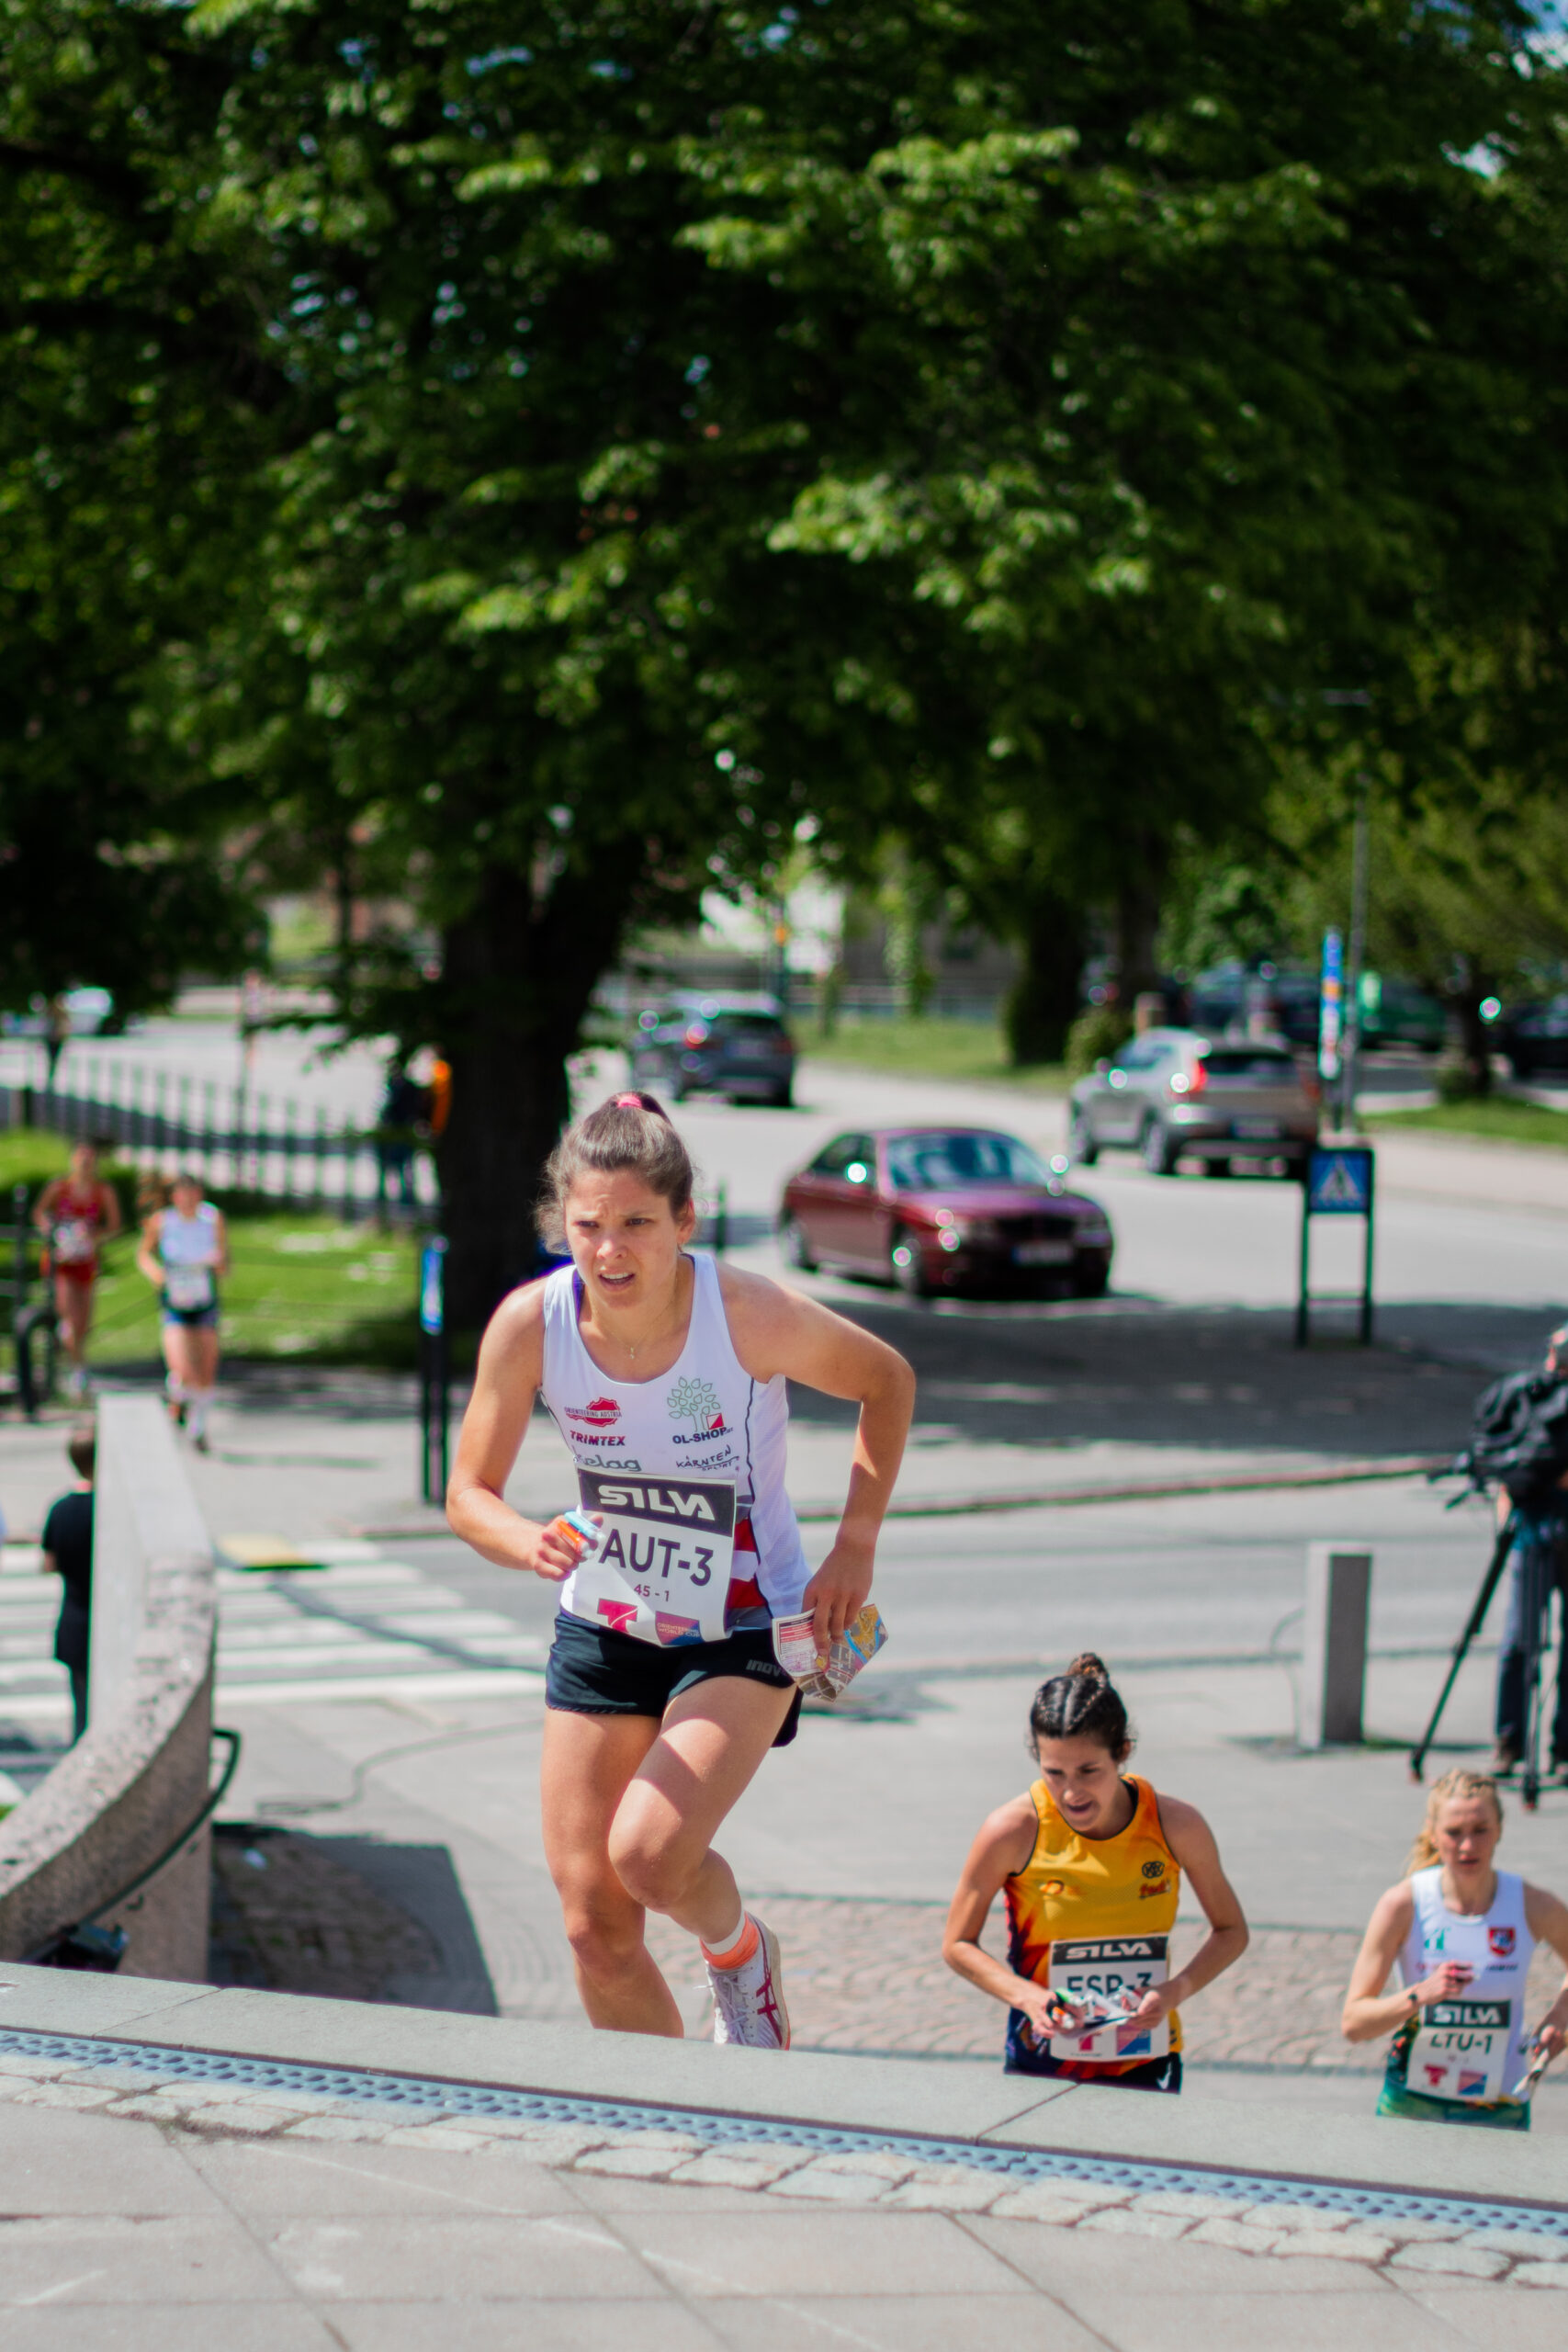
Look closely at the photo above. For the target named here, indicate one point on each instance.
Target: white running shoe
(749, 2002)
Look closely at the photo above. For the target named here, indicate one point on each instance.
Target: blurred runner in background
(404, 1106)
(76, 1214)
(183, 1252)
(68, 1553)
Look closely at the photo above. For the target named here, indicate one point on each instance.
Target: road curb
(1130, 1490)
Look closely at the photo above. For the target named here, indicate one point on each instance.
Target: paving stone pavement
(1292, 2223)
(870, 1977)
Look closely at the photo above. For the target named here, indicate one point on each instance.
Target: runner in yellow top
(1091, 1862)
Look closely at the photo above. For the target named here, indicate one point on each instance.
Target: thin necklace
(649, 1337)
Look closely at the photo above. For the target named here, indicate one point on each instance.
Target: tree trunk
(1475, 1038)
(1137, 915)
(517, 980)
(1044, 1002)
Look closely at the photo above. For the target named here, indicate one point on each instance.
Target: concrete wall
(112, 1806)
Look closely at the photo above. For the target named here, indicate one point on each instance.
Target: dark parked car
(1535, 1037)
(1171, 1094)
(944, 1209)
(738, 1046)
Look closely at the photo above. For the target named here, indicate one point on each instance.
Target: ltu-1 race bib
(1461, 2050)
(661, 1569)
(1109, 1972)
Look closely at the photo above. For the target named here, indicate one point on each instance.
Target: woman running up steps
(1090, 1860)
(1461, 1934)
(662, 1693)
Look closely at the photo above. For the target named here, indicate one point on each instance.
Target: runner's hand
(1551, 2039)
(550, 1553)
(837, 1593)
(1445, 1984)
(1156, 2003)
(1043, 2009)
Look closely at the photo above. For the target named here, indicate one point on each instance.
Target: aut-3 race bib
(660, 1571)
(1460, 2051)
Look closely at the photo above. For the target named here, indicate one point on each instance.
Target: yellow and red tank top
(1092, 1914)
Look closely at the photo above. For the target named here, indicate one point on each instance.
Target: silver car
(1175, 1093)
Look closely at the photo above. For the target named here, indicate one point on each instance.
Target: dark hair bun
(1081, 1704)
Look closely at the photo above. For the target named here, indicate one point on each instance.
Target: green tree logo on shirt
(695, 1401)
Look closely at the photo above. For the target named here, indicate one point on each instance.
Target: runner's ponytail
(632, 1134)
(1456, 1784)
(1082, 1705)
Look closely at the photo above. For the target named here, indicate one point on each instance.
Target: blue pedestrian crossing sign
(1339, 1181)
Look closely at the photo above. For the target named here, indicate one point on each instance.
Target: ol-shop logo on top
(1500, 1940)
(595, 1420)
(694, 1401)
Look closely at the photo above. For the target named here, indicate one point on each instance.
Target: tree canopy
(535, 471)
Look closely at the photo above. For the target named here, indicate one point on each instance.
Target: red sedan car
(943, 1209)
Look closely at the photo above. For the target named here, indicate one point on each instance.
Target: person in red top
(77, 1213)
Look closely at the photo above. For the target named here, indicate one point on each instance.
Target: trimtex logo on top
(694, 1401)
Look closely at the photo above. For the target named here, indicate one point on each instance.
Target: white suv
(1175, 1093)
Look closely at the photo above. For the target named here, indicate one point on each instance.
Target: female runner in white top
(184, 1253)
(662, 1697)
(1461, 1934)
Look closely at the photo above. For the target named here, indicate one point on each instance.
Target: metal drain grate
(418, 2096)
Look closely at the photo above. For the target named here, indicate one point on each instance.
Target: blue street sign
(1339, 1181)
(433, 1285)
(1331, 1006)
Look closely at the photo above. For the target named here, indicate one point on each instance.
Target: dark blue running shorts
(592, 1671)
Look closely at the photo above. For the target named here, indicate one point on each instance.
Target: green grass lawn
(1498, 1117)
(303, 1285)
(972, 1049)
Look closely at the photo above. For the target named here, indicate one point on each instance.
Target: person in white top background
(184, 1253)
(1463, 1934)
(666, 1373)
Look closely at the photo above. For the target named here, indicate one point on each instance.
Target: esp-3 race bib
(1460, 2051)
(1108, 1973)
(661, 1569)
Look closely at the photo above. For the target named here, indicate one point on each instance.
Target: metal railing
(234, 1137)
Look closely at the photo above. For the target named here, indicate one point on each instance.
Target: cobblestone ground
(870, 1977)
(863, 1976)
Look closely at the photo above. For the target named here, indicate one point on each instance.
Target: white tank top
(188, 1248)
(703, 1418)
(189, 1240)
(1473, 2047)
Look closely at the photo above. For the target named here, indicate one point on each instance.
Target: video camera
(1519, 1437)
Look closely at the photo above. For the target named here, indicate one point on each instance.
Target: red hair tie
(628, 1102)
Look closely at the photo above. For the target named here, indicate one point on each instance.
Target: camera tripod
(1535, 1598)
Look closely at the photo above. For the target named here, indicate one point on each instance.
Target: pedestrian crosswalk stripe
(356, 1626)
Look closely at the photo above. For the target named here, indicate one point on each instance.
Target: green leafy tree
(124, 442)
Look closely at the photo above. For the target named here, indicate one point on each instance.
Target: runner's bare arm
(511, 1367)
(1003, 1847)
(1546, 1919)
(775, 1330)
(1191, 1841)
(43, 1207)
(221, 1229)
(1370, 2012)
(148, 1264)
(109, 1204)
